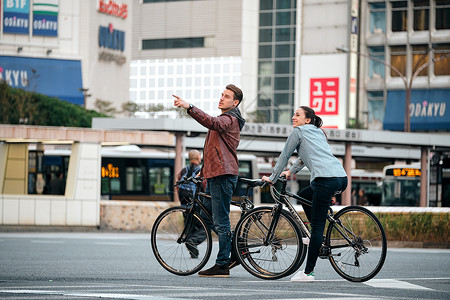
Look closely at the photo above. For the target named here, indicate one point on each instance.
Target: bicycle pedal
(324, 252)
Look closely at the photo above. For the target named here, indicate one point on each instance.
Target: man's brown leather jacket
(222, 140)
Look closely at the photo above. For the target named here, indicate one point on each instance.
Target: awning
(51, 77)
(429, 110)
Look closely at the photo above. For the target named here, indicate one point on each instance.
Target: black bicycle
(181, 239)
(270, 242)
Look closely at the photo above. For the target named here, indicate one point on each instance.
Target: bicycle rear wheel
(268, 258)
(181, 255)
(357, 244)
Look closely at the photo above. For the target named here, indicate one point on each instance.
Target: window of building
(265, 4)
(399, 16)
(442, 67)
(420, 57)
(377, 18)
(398, 60)
(421, 15)
(276, 59)
(376, 68)
(173, 43)
(376, 109)
(442, 14)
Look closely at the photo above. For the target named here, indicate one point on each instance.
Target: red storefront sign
(324, 95)
(113, 8)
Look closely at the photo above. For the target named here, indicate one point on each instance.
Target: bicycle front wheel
(357, 244)
(178, 253)
(265, 255)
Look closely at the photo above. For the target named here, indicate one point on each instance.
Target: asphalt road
(122, 266)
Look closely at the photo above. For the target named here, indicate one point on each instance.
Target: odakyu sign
(45, 17)
(429, 110)
(16, 16)
(110, 38)
(51, 77)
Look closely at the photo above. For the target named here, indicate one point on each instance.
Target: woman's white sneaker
(300, 276)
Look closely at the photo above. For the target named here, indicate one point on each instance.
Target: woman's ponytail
(311, 114)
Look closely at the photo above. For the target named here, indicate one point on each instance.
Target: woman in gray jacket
(327, 177)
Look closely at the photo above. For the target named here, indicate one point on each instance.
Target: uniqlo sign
(324, 95)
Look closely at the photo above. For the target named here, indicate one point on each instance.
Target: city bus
(401, 185)
(131, 173)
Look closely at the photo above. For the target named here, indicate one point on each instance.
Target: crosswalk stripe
(394, 284)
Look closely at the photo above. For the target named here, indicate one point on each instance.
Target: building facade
(76, 50)
(412, 38)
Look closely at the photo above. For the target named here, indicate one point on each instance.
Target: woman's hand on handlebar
(286, 174)
(266, 179)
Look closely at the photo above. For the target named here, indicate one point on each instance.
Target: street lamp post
(408, 84)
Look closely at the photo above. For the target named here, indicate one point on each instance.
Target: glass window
(265, 35)
(376, 109)
(265, 19)
(265, 84)
(282, 51)
(265, 4)
(399, 16)
(159, 180)
(135, 179)
(283, 34)
(377, 18)
(442, 67)
(442, 14)
(282, 67)
(284, 18)
(283, 4)
(265, 68)
(265, 51)
(398, 60)
(282, 83)
(420, 57)
(421, 15)
(283, 116)
(376, 68)
(283, 98)
(173, 43)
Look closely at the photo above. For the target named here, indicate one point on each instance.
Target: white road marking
(87, 295)
(394, 284)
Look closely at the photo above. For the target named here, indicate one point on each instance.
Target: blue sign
(429, 110)
(51, 77)
(45, 17)
(16, 16)
(110, 38)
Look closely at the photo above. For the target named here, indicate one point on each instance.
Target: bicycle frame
(284, 199)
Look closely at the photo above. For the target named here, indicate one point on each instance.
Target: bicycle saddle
(251, 182)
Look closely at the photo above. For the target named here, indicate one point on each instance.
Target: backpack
(186, 190)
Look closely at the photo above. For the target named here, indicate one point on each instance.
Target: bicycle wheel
(357, 244)
(181, 255)
(268, 258)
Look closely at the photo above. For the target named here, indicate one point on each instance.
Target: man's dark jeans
(319, 192)
(221, 189)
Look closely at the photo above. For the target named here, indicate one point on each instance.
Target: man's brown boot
(216, 271)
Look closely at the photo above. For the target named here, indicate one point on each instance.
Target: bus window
(401, 185)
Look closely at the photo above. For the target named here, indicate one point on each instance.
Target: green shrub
(21, 107)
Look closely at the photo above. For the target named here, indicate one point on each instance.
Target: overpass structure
(80, 206)
(268, 139)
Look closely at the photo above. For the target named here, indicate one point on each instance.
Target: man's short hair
(238, 95)
(194, 154)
